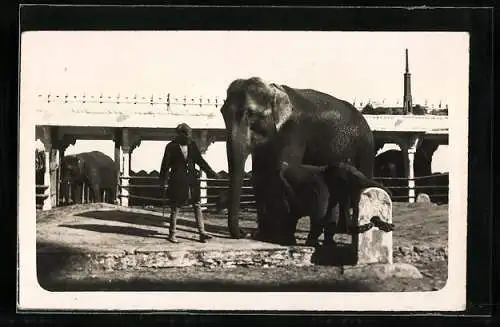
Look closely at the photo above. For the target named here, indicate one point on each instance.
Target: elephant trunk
(237, 153)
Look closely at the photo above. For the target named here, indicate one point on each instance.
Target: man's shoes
(173, 239)
(244, 234)
(205, 237)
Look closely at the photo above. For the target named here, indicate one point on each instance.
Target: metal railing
(40, 195)
(397, 190)
(209, 201)
(212, 200)
(400, 188)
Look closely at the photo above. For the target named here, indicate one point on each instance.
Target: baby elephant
(315, 191)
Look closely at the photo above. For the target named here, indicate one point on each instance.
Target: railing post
(49, 174)
(126, 167)
(118, 163)
(54, 167)
(411, 176)
(203, 190)
(47, 201)
(411, 148)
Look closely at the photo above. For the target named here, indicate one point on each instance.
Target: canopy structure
(62, 119)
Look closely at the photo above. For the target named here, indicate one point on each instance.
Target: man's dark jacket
(180, 173)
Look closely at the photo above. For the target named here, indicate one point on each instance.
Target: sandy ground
(420, 238)
(103, 226)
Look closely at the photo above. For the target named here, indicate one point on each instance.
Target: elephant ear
(281, 105)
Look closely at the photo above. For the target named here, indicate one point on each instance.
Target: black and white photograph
(243, 170)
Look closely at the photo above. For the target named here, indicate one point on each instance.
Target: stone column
(126, 167)
(63, 142)
(134, 140)
(47, 202)
(118, 162)
(203, 139)
(61, 157)
(54, 167)
(411, 175)
(47, 180)
(411, 148)
(374, 245)
(203, 190)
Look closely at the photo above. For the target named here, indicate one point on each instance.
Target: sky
(355, 66)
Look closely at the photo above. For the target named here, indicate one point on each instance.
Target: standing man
(178, 177)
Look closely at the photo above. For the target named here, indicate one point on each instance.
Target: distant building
(382, 108)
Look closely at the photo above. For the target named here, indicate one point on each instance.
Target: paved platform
(108, 237)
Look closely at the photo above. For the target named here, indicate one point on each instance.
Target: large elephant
(39, 174)
(276, 123)
(94, 169)
(39, 166)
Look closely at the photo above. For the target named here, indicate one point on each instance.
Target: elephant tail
(371, 183)
(361, 180)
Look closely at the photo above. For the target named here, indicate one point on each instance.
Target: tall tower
(407, 104)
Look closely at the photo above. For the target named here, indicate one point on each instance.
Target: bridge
(61, 119)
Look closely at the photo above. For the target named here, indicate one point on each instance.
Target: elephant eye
(251, 112)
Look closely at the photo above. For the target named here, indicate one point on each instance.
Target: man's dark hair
(183, 129)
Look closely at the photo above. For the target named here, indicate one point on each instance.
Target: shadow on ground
(331, 255)
(335, 255)
(52, 260)
(142, 284)
(152, 220)
(126, 230)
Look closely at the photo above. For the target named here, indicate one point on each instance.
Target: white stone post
(203, 139)
(411, 175)
(203, 190)
(411, 148)
(374, 245)
(47, 202)
(54, 160)
(119, 170)
(126, 167)
(61, 151)
(47, 142)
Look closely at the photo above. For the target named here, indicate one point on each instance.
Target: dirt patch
(241, 279)
(420, 238)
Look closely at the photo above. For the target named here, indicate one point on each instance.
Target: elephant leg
(319, 207)
(264, 228)
(330, 222)
(96, 191)
(288, 235)
(77, 193)
(112, 195)
(344, 206)
(354, 203)
(316, 228)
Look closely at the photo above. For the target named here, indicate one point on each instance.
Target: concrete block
(374, 245)
(423, 198)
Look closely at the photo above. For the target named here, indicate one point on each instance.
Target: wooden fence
(144, 190)
(435, 185)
